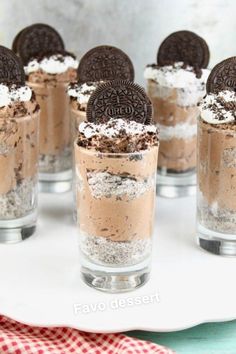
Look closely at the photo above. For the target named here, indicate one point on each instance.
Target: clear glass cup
(55, 145)
(115, 204)
(77, 116)
(175, 114)
(216, 188)
(18, 176)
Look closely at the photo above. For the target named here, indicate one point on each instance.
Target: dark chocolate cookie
(119, 99)
(37, 39)
(11, 68)
(184, 46)
(222, 76)
(105, 63)
(15, 41)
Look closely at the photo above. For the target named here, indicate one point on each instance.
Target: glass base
(17, 230)
(216, 242)
(74, 203)
(114, 282)
(115, 279)
(75, 219)
(176, 185)
(55, 182)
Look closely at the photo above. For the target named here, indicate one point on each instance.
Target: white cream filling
(185, 97)
(179, 131)
(105, 185)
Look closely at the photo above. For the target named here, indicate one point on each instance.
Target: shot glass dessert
(49, 69)
(100, 64)
(216, 204)
(175, 86)
(116, 161)
(19, 118)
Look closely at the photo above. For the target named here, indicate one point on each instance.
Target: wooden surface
(212, 338)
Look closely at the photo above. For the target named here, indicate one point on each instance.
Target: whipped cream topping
(114, 128)
(117, 136)
(82, 92)
(218, 108)
(9, 94)
(54, 64)
(177, 75)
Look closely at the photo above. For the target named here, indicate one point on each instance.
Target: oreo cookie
(35, 40)
(15, 41)
(222, 76)
(119, 99)
(186, 47)
(105, 63)
(11, 68)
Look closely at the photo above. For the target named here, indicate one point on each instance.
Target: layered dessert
(175, 86)
(217, 162)
(116, 167)
(49, 68)
(175, 91)
(49, 77)
(79, 94)
(19, 118)
(100, 64)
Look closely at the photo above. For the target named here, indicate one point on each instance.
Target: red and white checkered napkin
(17, 338)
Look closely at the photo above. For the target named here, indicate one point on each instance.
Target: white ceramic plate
(40, 280)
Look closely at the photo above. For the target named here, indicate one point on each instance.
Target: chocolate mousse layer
(49, 79)
(175, 91)
(217, 162)
(19, 119)
(116, 167)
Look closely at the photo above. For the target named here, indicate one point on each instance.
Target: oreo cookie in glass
(49, 69)
(115, 159)
(216, 166)
(98, 65)
(19, 141)
(175, 85)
